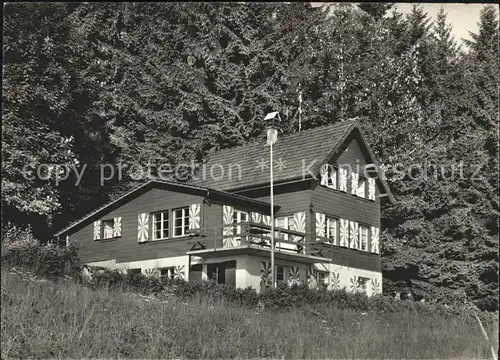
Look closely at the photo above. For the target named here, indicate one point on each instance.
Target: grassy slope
(66, 320)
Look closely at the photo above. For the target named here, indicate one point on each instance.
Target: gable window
(161, 225)
(328, 175)
(363, 238)
(107, 226)
(181, 222)
(361, 190)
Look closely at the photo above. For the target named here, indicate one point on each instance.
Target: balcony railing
(256, 235)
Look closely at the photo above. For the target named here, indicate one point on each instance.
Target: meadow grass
(43, 319)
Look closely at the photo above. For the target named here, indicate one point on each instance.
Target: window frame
(185, 222)
(283, 267)
(288, 225)
(364, 182)
(162, 221)
(328, 219)
(362, 226)
(363, 283)
(103, 229)
(237, 219)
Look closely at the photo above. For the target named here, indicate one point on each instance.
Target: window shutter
(143, 227)
(371, 188)
(361, 191)
(97, 230)
(179, 272)
(67, 240)
(344, 232)
(266, 219)
(227, 219)
(354, 284)
(299, 222)
(265, 270)
(343, 180)
(194, 216)
(320, 225)
(354, 235)
(293, 275)
(324, 175)
(376, 288)
(256, 217)
(374, 239)
(354, 183)
(117, 227)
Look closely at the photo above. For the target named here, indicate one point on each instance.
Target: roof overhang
(254, 250)
(212, 194)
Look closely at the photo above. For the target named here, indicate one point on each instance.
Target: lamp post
(272, 137)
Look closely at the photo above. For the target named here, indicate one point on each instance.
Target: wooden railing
(256, 235)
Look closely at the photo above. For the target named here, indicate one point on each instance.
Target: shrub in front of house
(21, 249)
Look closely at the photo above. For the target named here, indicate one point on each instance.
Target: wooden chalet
(217, 226)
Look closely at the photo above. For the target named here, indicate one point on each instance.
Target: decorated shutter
(354, 241)
(256, 217)
(265, 270)
(354, 183)
(67, 240)
(117, 227)
(324, 175)
(227, 219)
(97, 230)
(152, 272)
(310, 271)
(354, 283)
(194, 216)
(361, 191)
(376, 287)
(374, 239)
(333, 179)
(371, 188)
(179, 272)
(299, 224)
(293, 275)
(320, 225)
(266, 219)
(335, 281)
(143, 227)
(343, 180)
(344, 232)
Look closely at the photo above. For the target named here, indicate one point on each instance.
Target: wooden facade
(327, 225)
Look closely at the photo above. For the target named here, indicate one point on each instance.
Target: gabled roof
(308, 149)
(259, 205)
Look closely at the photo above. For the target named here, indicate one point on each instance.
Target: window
(363, 283)
(332, 178)
(280, 274)
(160, 225)
(363, 238)
(168, 272)
(181, 222)
(331, 229)
(361, 189)
(134, 271)
(329, 176)
(108, 229)
(285, 223)
(238, 218)
(322, 279)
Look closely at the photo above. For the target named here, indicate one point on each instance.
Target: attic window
(107, 226)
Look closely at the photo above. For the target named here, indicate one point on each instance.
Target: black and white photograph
(250, 180)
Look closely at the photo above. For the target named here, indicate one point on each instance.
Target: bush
(20, 249)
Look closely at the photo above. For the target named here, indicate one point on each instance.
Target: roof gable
(296, 157)
(306, 149)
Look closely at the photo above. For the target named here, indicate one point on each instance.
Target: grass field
(41, 319)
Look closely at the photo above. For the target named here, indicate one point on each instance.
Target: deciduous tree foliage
(169, 83)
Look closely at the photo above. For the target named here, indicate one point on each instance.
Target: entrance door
(223, 273)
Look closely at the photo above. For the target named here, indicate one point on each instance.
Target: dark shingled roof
(312, 146)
